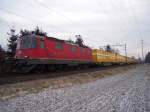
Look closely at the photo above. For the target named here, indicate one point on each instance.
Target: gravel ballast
(128, 92)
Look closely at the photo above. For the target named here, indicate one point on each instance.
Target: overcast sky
(99, 22)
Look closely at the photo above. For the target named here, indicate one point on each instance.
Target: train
(44, 52)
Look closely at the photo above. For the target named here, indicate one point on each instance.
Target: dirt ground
(125, 89)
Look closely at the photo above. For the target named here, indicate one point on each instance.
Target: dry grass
(22, 88)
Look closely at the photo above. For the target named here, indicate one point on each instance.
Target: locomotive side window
(73, 48)
(82, 50)
(33, 45)
(26, 42)
(23, 42)
(41, 43)
(19, 43)
(58, 45)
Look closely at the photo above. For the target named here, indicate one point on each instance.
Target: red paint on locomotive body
(38, 47)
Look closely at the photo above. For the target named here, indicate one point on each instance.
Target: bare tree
(108, 48)
(12, 42)
(24, 32)
(1, 54)
(147, 58)
(1, 49)
(36, 31)
(70, 41)
(79, 40)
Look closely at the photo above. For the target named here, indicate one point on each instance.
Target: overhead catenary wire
(117, 7)
(50, 9)
(54, 11)
(28, 19)
(107, 12)
(138, 25)
(132, 11)
(135, 18)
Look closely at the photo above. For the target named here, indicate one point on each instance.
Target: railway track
(11, 78)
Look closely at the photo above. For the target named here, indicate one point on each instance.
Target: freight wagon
(102, 57)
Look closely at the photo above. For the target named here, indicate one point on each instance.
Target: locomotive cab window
(58, 45)
(33, 45)
(41, 43)
(19, 43)
(28, 41)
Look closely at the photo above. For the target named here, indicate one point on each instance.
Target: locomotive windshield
(28, 41)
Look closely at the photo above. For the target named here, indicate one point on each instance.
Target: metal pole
(126, 52)
(142, 51)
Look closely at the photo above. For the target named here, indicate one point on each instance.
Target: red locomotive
(40, 52)
(36, 50)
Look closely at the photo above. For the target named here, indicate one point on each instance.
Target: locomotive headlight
(26, 56)
(19, 52)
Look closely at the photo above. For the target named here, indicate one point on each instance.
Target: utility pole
(126, 52)
(142, 50)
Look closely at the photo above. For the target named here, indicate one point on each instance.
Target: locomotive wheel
(40, 69)
(51, 68)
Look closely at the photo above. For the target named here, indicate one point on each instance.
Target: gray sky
(100, 22)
